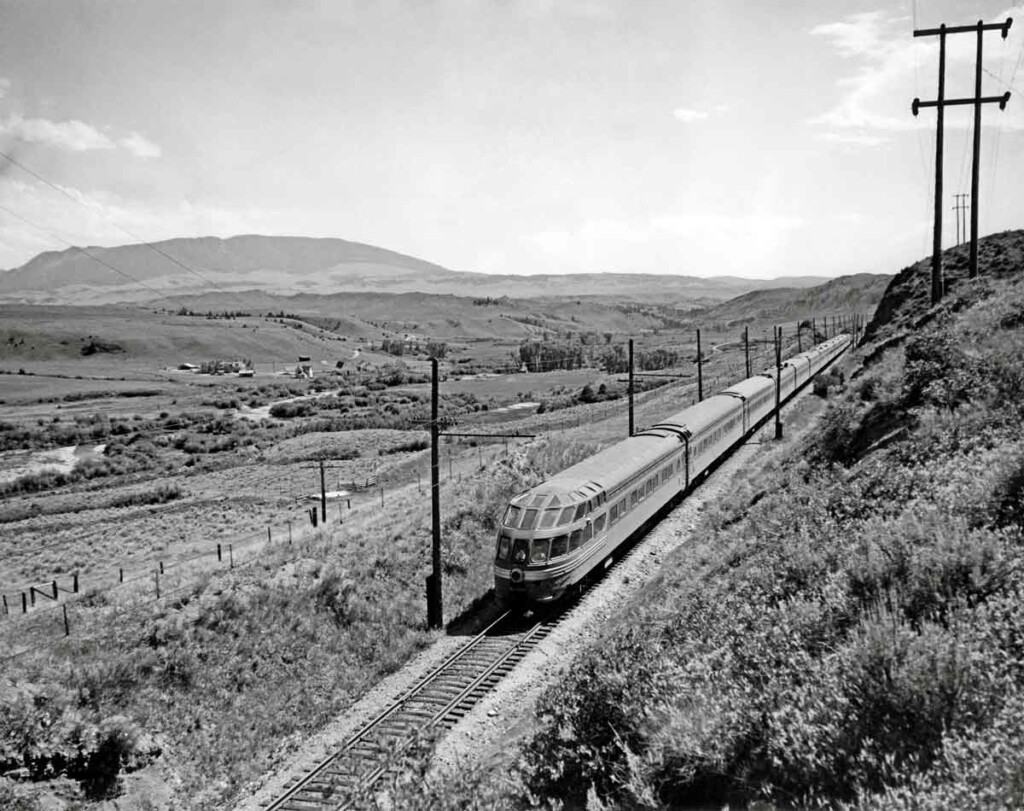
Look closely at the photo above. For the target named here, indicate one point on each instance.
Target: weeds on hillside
(852, 631)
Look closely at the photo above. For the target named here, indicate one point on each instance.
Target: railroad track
(439, 700)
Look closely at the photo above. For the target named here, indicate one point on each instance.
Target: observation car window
(566, 516)
(588, 532)
(623, 508)
(599, 523)
(529, 520)
(537, 501)
(580, 511)
(539, 551)
(512, 516)
(519, 550)
(575, 539)
(650, 486)
(559, 546)
(548, 519)
(504, 544)
(639, 494)
(613, 514)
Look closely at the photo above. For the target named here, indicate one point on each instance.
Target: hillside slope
(849, 632)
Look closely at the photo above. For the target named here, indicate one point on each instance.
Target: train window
(588, 532)
(547, 520)
(539, 550)
(650, 486)
(504, 544)
(566, 516)
(634, 497)
(640, 494)
(575, 539)
(519, 550)
(537, 501)
(559, 546)
(623, 507)
(599, 523)
(581, 511)
(512, 516)
(529, 519)
(613, 514)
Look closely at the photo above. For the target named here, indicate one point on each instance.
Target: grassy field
(147, 696)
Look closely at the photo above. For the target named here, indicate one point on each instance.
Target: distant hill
(858, 293)
(291, 265)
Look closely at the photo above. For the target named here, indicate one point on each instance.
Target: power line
(63, 192)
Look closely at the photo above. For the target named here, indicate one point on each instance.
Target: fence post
(231, 556)
(5, 605)
(289, 532)
(161, 567)
(74, 583)
(54, 586)
(24, 603)
(219, 558)
(32, 595)
(268, 536)
(67, 628)
(156, 576)
(120, 575)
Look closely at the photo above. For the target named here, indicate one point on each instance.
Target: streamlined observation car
(556, 533)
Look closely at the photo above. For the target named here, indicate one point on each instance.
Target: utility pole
(700, 372)
(323, 493)
(940, 104)
(435, 613)
(778, 383)
(746, 347)
(631, 387)
(960, 206)
(799, 342)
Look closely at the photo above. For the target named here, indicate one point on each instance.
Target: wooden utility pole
(940, 103)
(799, 342)
(323, 493)
(435, 613)
(631, 387)
(746, 347)
(960, 206)
(778, 383)
(700, 372)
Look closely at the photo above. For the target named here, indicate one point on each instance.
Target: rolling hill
(290, 265)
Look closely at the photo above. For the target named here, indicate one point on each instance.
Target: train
(554, 535)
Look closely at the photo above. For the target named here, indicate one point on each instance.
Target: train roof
(750, 387)
(700, 415)
(607, 468)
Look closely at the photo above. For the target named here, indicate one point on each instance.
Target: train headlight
(516, 576)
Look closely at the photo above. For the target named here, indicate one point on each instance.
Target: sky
(697, 137)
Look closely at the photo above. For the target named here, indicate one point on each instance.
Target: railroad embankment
(849, 628)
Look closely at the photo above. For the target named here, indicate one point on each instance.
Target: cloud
(139, 146)
(5, 85)
(686, 116)
(892, 67)
(75, 136)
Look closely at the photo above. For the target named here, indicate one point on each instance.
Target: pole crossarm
(964, 29)
(917, 104)
(494, 436)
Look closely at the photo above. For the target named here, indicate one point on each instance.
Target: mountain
(291, 265)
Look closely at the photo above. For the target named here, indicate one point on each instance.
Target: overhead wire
(78, 201)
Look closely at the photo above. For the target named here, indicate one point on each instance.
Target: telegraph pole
(631, 387)
(778, 383)
(746, 347)
(323, 493)
(960, 206)
(700, 372)
(435, 613)
(940, 104)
